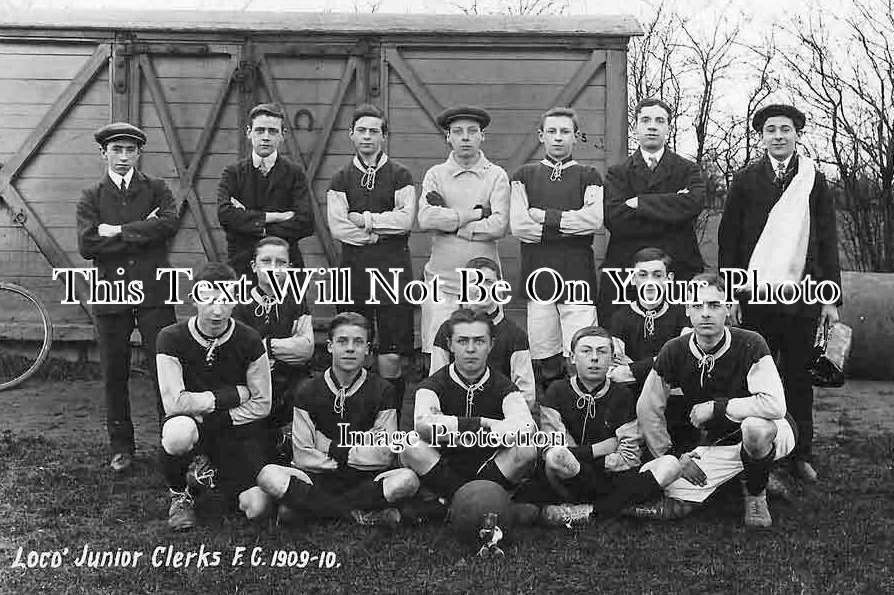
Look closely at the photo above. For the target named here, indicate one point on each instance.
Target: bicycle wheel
(26, 334)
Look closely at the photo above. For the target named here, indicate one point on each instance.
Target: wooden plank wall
(32, 76)
(515, 85)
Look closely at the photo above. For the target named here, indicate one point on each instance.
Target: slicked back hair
(483, 262)
(649, 102)
(591, 331)
(369, 110)
(465, 315)
(565, 112)
(266, 109)
(349, 319)
(216, 271)
(650, 254)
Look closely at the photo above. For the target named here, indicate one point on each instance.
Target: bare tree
(511, 7)
(844, 72)
(367, 6)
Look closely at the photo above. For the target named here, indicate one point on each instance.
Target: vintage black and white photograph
(447, 296)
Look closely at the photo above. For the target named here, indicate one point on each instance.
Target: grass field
(837, 537)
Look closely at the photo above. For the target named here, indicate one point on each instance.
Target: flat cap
(468, 112)
(778, 109)
(117, 130)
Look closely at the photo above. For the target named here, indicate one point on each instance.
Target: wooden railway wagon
(189, 79)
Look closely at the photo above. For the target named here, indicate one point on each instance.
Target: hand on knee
(274, 479)
(561, 462)
(255, 503)
(400, 484)
(179, 435)
(665, 470)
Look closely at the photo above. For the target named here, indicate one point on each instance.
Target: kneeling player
(510, 354)
(287, 331)
(649, 322)
(733, 410)
(598, 466)
(214, 378)
(345, 405)
(468, 397)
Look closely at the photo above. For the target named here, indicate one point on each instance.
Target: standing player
(330, 478)
(510, 355)
(733, 410)
(653, 198)
(598, 466)
(124, 224)
(779, 219)
(467, 396)
(265, 194)
(556, 209)
(287, 331)
(465, 204)
(371, 205)
(648, 323)
(215, 383)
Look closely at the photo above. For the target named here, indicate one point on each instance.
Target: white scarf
(781, 250)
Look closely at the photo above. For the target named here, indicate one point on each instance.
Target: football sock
(368, 495)
(174, 468)
(442, 480)
(629, 489)
(491, 472)
(756, 471)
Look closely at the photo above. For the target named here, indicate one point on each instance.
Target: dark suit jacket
(287, 190)
(142, 245)
(752, 194)
(663, 219)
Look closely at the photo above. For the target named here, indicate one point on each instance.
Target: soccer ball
(471, 506)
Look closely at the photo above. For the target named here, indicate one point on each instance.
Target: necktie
(123, 185)
(653, 163)
(264, 168)
(780, 172)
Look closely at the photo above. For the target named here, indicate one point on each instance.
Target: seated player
(329, 478)
(733, 406)
(214, 378)
(595, 474)
(510, 355)
(642, 329)
(466, 396)
(287, 331)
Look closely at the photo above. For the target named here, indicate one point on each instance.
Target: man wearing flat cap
(124, 223)
(465, 204)
(265, 194)
(779, 220)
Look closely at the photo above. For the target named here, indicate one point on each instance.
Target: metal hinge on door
(246, 74)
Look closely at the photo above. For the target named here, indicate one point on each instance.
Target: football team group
(657, 404)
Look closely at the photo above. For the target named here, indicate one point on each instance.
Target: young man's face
(487, 304)
(652, 126)
(367, 136)
(270, 258)
(465, 137)
(349, 346)
(708, 313)
(779, 137)
(121, 155)
(265, 134)
(557, 136)
(651, 280)
(214, 315)
(470, 345)
(592, 357)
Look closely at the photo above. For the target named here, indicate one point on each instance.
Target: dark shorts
(237, 452)
(593, 482)
(392, 326)
(352, 485)
(467, 462)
